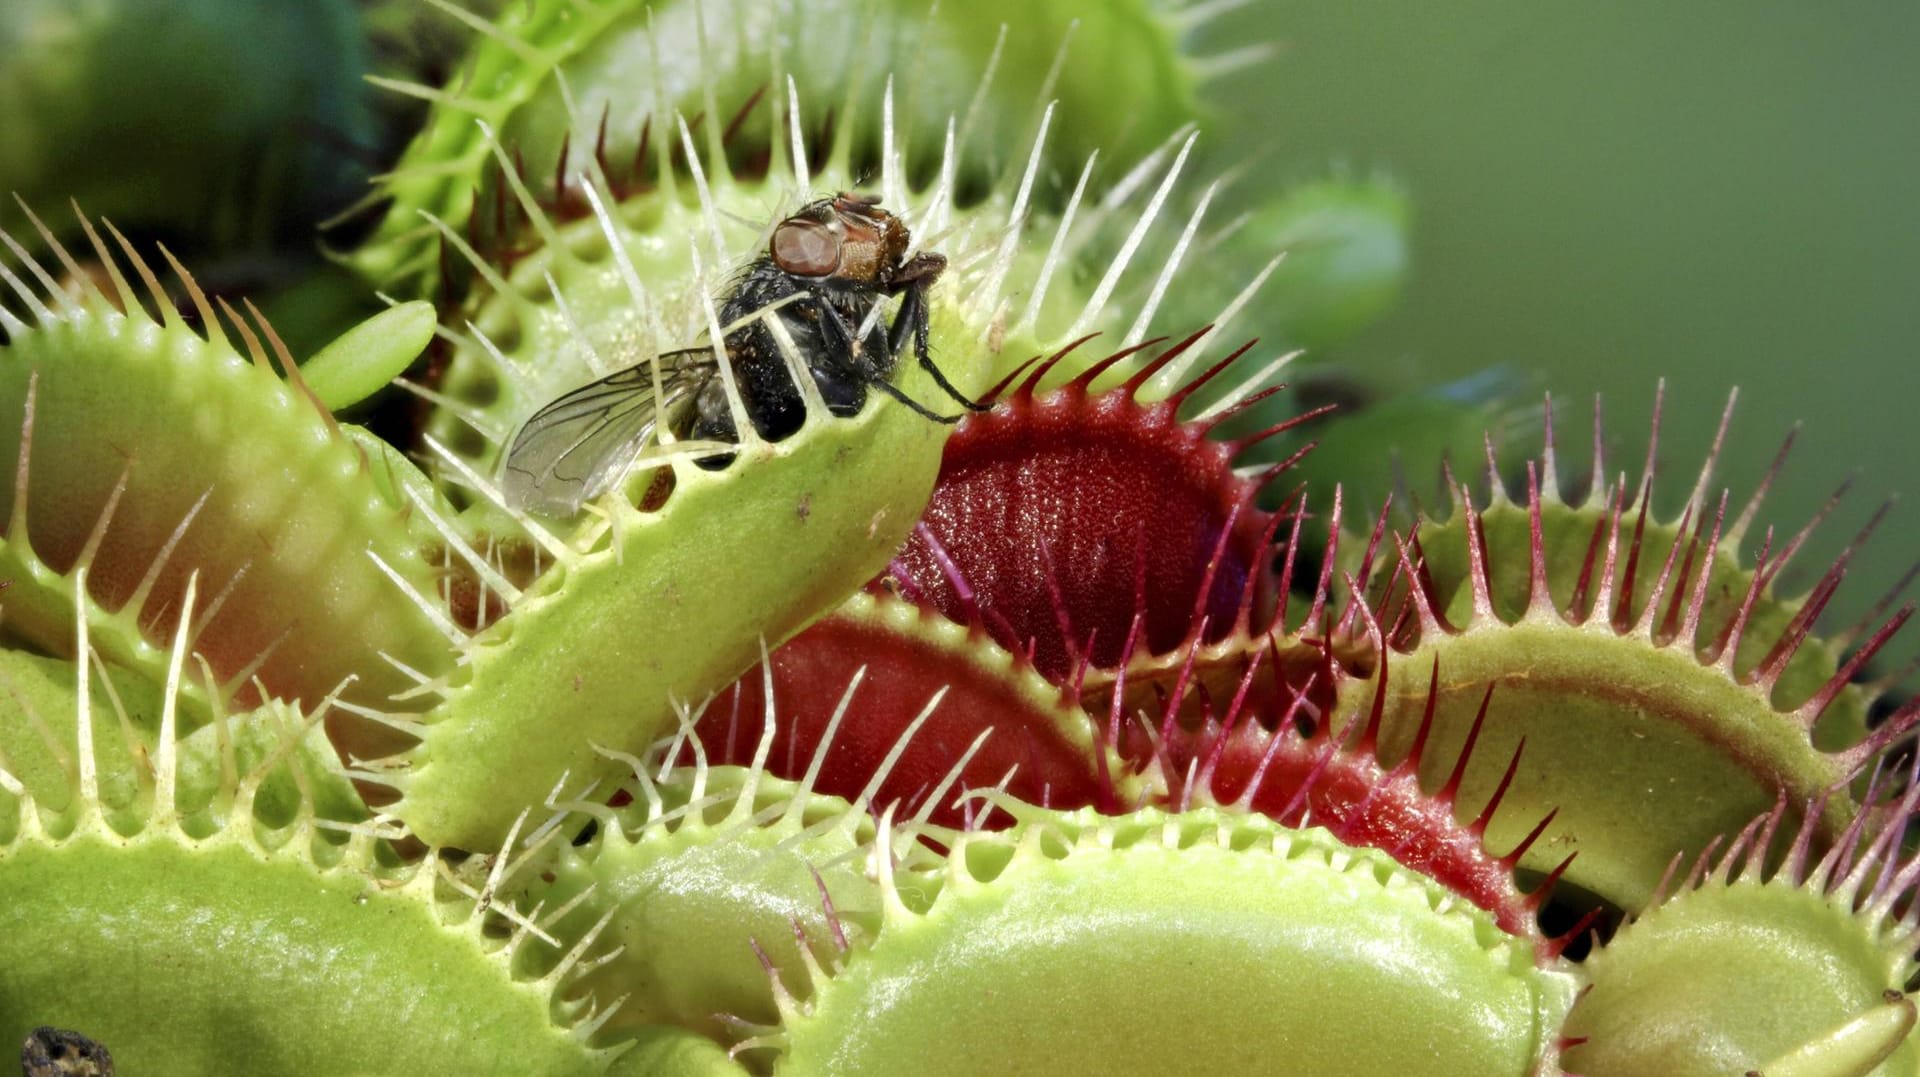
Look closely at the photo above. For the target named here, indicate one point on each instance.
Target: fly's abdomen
(766, 385)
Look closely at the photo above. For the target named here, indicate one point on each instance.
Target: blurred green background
(1719, 193)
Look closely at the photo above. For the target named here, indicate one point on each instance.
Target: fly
(828, 269)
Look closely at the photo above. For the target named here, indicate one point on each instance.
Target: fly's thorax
(865, 257)
(894, 240)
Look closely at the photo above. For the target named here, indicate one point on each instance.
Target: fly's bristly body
(826, 275)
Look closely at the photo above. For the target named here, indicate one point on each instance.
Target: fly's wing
(572, 450)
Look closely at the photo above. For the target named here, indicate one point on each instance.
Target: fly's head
(847, 239)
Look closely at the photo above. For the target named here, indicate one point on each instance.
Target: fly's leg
(919, 409)
(839, 331)
(912, 319)
(844, 383)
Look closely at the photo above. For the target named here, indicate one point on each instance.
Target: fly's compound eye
(808, 248)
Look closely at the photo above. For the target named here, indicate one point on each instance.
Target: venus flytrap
(580, 196)
(197, 936)
(1000, 723)
(1794, 967)
(815, 514)
(1665, 690)
(707, 856)
(1170, 942)
(143, 449)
